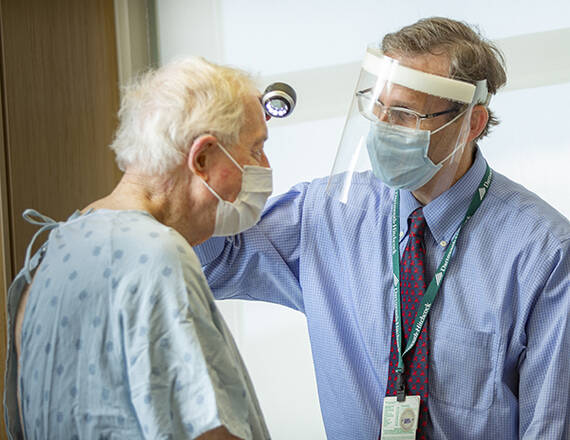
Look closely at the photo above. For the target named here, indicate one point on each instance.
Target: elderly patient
(116, 334)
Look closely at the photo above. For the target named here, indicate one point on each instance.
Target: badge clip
(400, 388)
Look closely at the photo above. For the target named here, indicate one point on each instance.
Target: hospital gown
(121, 338)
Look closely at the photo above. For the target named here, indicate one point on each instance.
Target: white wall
(317, 45)
(272, 36)
(531, 146)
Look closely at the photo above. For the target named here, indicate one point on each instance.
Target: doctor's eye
(401, 116)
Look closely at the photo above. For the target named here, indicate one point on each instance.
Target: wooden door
(60, 96)
(5, 261)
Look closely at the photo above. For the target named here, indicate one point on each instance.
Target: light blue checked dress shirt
(499, 327)
(121, 338)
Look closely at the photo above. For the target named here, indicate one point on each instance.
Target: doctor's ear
(479, 119)
(199, 155)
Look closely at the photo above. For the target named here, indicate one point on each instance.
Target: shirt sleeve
(544, 384)
(263, 262)
(182, 377)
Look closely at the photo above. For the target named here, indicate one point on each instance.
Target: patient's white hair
(166, 109)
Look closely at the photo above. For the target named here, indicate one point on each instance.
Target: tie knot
(417, 223)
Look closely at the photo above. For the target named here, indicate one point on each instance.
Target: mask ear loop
(448, 123)
(235, 163)
(230, 157)
(212, 190)
(461, 141)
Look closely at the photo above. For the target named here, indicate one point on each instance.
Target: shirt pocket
(462, 367)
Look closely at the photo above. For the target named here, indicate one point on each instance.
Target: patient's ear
(199, 155)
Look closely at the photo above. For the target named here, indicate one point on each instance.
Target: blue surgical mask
(399, 155)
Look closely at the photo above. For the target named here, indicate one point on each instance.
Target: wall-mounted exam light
(279, 100)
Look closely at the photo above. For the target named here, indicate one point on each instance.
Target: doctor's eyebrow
(397, 104)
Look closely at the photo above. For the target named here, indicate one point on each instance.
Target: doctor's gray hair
(166, 109)
(472, 57)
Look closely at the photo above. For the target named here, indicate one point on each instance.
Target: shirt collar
(445, 213)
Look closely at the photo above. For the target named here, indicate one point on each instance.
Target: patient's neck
(166, 198)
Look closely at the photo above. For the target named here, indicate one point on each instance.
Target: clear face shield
(404, 127)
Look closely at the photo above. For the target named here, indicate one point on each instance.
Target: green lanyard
(431, 292)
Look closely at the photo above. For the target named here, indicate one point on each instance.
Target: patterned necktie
(412, 288)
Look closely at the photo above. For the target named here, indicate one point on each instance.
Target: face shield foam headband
(385, 118)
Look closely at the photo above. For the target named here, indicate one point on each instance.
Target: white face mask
(241, 214)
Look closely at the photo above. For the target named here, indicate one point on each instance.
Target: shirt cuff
(210, 249)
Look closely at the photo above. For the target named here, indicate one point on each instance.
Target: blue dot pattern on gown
(122, 321)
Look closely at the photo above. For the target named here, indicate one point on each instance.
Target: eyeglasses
(375, 109)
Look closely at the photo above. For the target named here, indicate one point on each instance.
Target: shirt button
(443, 243)
(401, 234)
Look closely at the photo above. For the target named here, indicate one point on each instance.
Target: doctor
(436, 290)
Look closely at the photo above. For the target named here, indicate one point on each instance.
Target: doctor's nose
(382, 112)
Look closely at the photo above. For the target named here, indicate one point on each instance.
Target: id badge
(400, 419)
